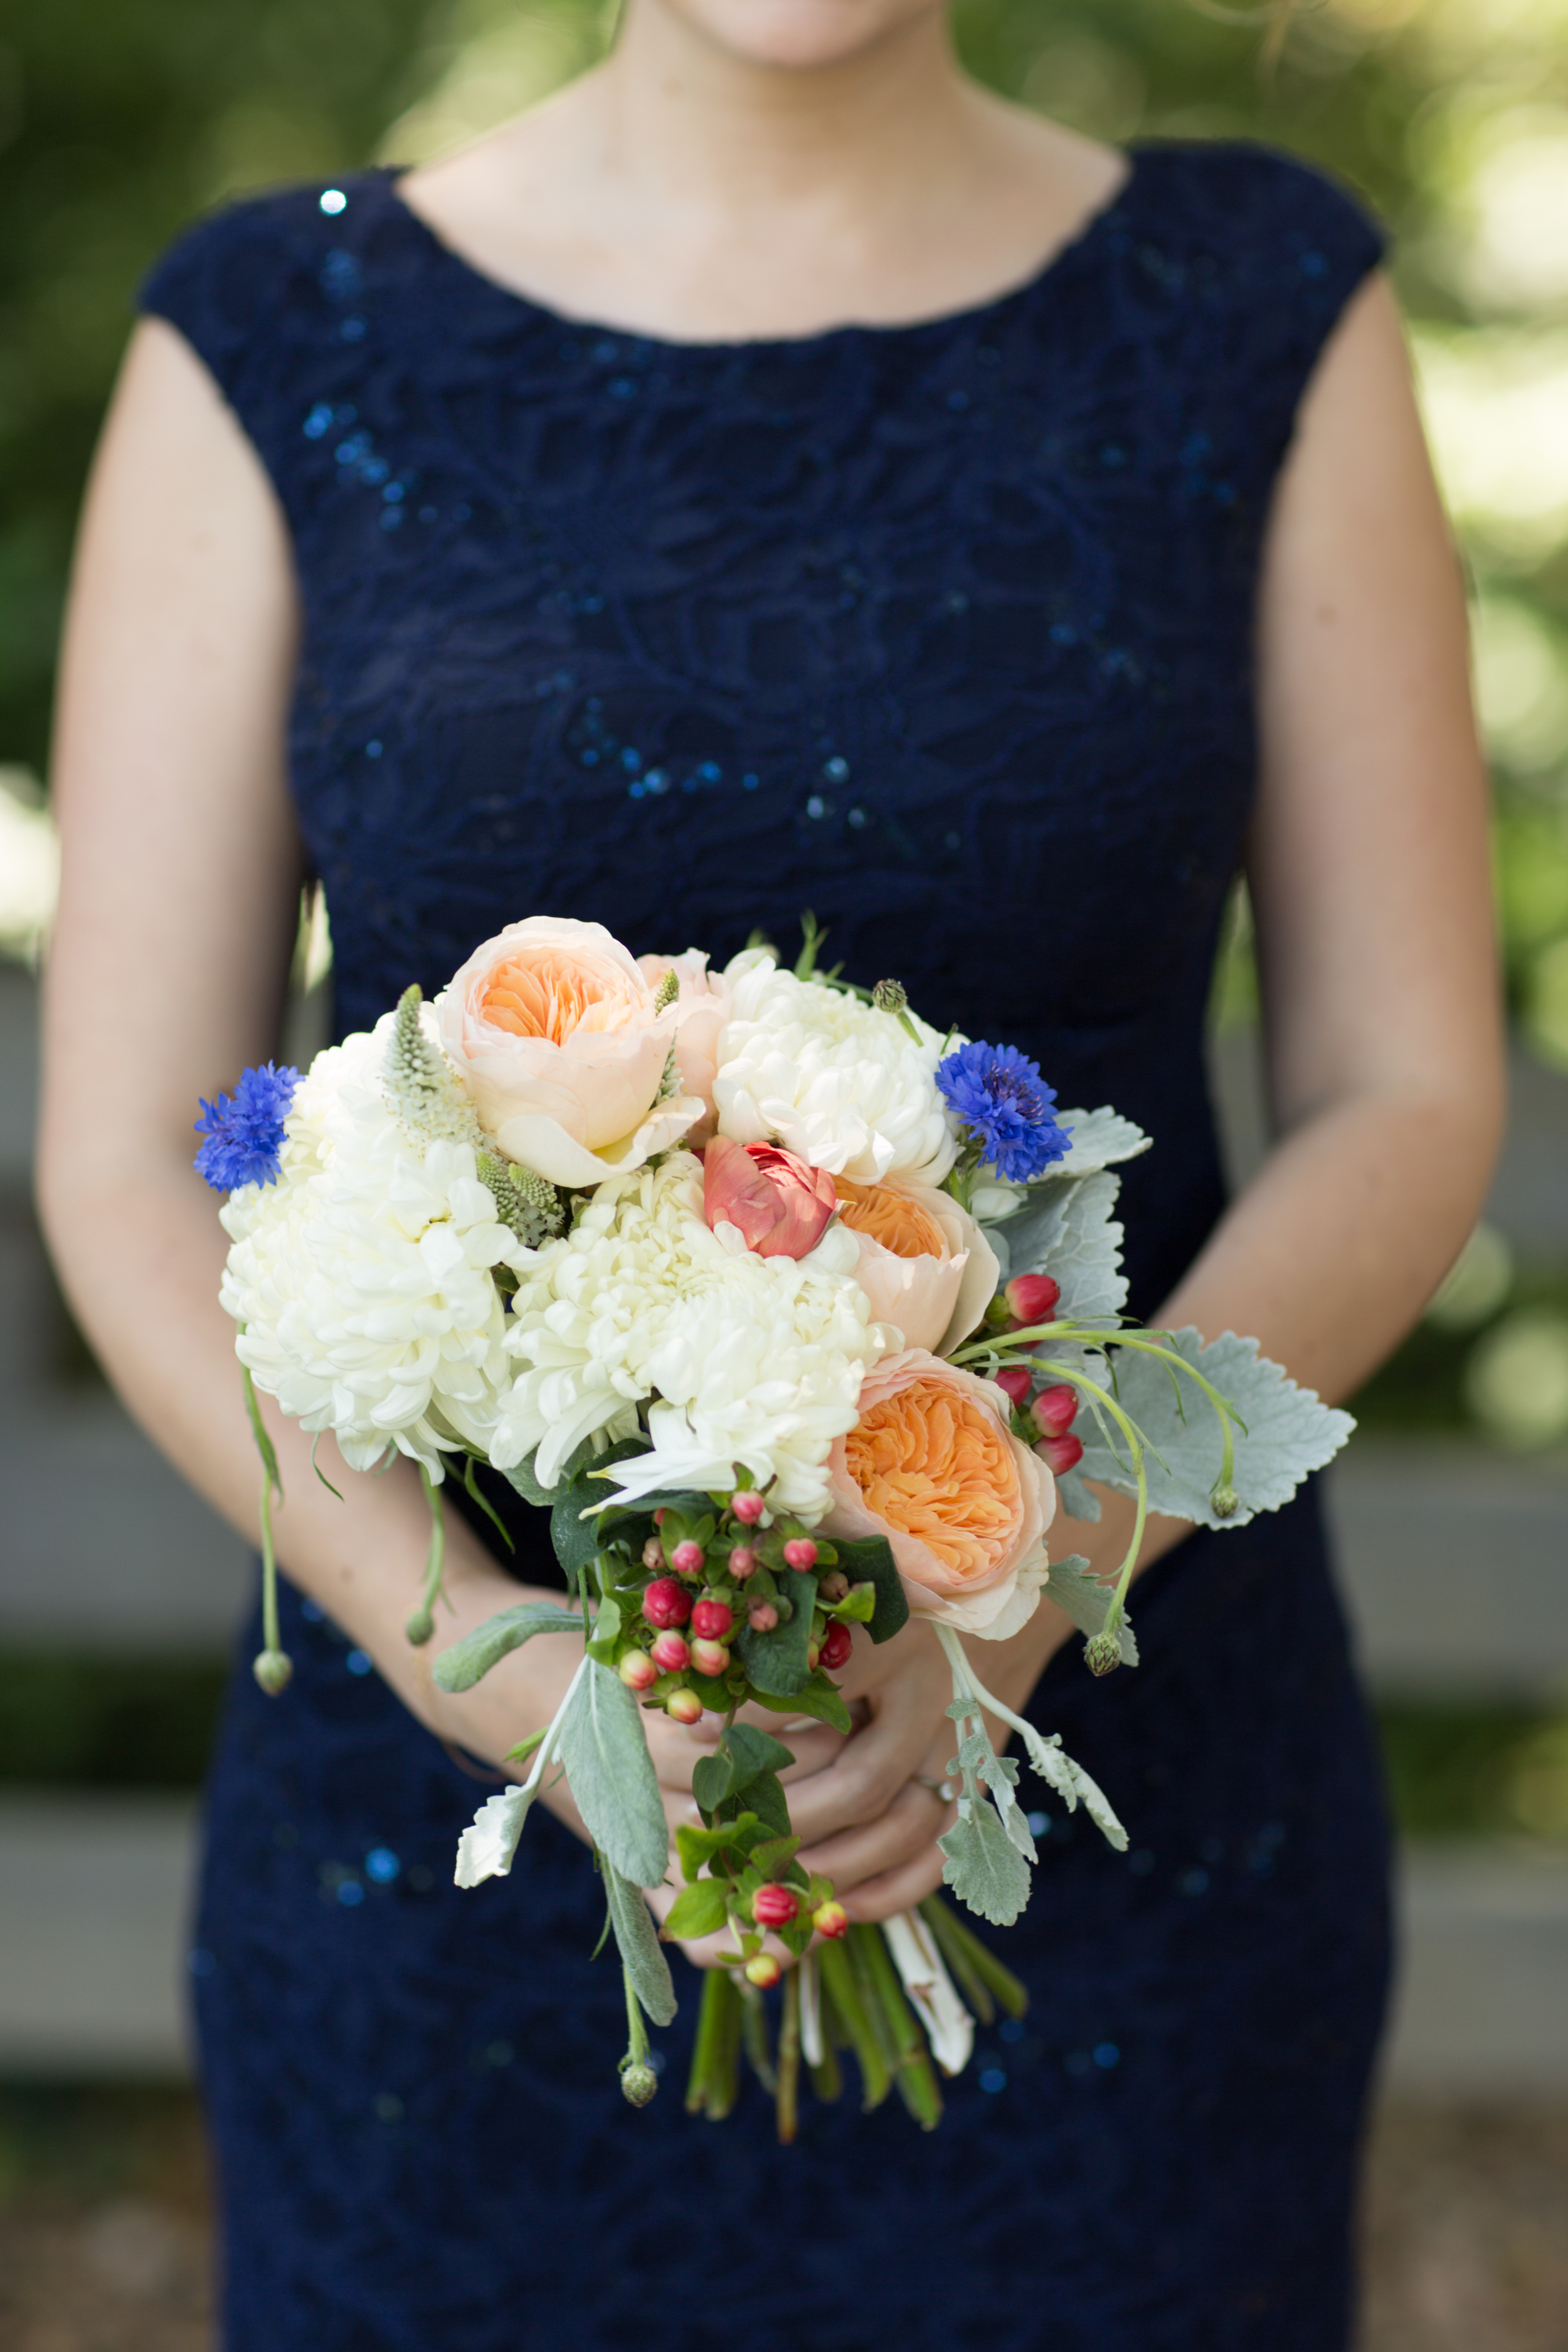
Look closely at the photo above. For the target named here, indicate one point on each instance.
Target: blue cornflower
(1000, 1097)
(245, 1135)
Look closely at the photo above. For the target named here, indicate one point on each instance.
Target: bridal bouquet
(800, 1315)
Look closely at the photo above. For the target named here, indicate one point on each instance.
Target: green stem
(636, 2031)
(968, 1956)
(711, 2090)
(754, 2039)
(272, 1666)
(913, 2072)
(839, 1982)
(788, 2101)
(422, 1624)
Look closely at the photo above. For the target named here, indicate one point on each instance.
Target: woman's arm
(1369, 876)
(167, 975)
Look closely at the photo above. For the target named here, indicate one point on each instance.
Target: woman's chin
(799, 35)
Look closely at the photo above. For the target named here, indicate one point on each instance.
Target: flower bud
(813, 1656)
(637, 1671)
(638, 2083)
(653, 1553)
(891, 996)
(800, 1552)
(836, 1644)
(1032, 1298)
(774, 1906)
(1102, 1656)
(670, 1654)
(687, 1558)
(1054, 1411)
(711, 1619)
(1015, 1380)
(1060, 1454)
(684, 1705)
(742, 1563)
(834, 1586)
(273, 1671)
(660, 1517)
(666, 1603)
(418, 1628)
(748, 1506)
(1225, 1502)
(711, 1658)
(762, 1616)
(764, 1971)
(830, 1919)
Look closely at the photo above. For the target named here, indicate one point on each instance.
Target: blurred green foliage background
(120, 118)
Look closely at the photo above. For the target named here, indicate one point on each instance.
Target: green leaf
(819, 1698)
(770, 1856)
(765, 1797)
(857, 1606)
(1067, 1231)
(606, 1632)
(470, 1488)
(711, 1778)
(520, 1475)
(696, 1846)
(1289, 1431)
(698, 1910)
(983, 1867)
(469, 1660)
(753, 1751)
(605, 1754)
(575, 1538)
(775, 1662)
(870, 1562)
(639, 1946)
(1087, 1602)
(1076, 1498)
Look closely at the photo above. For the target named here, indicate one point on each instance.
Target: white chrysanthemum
(362, 1275)
(753, 1362)
(832, 1079)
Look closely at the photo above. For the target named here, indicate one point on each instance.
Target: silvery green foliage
(1289, 1431)
(487, 1846)
(1099, 1137)
(1077, 1499)
(601, 1743)
(1086, 1600)
(1067, 1230)
(639, 1946)
(526, 1202)
(983, 1866)
(425, 1089)
(469, 1660)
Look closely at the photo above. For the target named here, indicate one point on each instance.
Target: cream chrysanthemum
(753, 1364)
(841, 1085)
(363, 1276)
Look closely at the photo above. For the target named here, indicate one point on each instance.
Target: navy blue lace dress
(943, 630)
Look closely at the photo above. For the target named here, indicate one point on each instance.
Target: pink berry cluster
(1044, 1421)
(709, 1575)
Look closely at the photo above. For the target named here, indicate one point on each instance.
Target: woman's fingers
(897, 1890)
(908, 1829)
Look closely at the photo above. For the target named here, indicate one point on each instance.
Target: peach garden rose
(552, 1028)
(932, 1464)
(925, 1265)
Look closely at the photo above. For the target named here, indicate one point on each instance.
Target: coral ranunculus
(780, 1206)
(552, 1029)
(932, 1464)
(925, 1265)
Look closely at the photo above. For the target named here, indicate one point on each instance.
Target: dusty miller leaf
(640, 1947)
(1087, 1602)
(1067, 1232)
(1076, 1499)
(983, 1867)
(601, 1744)
(1290, 1430)
(469, 1660)
(1099, 1137)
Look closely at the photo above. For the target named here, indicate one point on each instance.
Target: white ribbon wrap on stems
(949, 2027)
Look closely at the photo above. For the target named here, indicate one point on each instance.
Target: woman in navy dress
(772, 475)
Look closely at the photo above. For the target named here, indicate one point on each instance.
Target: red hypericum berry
(774, 1906)
(712, 1620)
(711, 1658)
(1031, 1298)
(666, 1602)
(1059, 1453)
(800, 1552)
(670, 1654)
(653, 1553)
(637, 1671)
(687, 1558)
(762, 1616)
(1016, 1379)
(742, 1563)
(1054, 1411)
(684, 1705)
(830, 1919)
(748, 1506)
(763, 1972)
(836, 1644)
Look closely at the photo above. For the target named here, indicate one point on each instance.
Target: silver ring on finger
(943, 1790)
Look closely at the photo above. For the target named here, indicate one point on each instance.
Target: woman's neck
(686, 191)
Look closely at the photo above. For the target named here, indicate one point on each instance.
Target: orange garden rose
(933, 1465)
(925, 1265)
(552, 1029)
